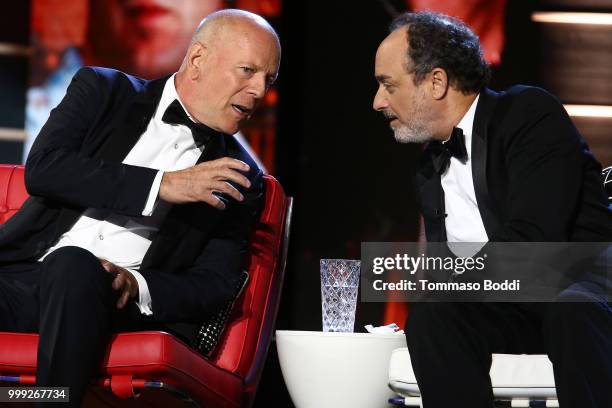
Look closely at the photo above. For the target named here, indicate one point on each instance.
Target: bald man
(142, 201)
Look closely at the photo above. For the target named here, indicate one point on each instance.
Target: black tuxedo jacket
(534, 176)
(194, 262)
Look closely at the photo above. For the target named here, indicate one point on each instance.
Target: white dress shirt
(463, 220)
(125, 240)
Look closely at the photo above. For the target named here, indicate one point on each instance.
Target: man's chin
(404, 135)
(229, 128)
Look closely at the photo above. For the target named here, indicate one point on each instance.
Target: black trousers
(451, 344)
(69, 301)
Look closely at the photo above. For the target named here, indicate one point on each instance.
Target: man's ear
(439, 83)
(196, 57)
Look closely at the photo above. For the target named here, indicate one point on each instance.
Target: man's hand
(198, 183)
(124, 281)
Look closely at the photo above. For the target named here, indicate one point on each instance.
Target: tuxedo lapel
(428, 183)
(125, 136)
(215, 149)
(484, 113)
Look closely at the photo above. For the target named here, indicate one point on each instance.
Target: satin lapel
(215, 149)
(484, 112)
(432, 199)
(125, 136)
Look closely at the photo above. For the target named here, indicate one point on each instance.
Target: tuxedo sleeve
(57, 169)
(211, 281)
(544, 162)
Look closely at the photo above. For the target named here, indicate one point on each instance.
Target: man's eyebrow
(382, 77)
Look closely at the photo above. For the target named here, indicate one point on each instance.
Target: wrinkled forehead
(258, 48)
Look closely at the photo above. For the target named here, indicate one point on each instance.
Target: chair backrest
(12, 190)
(243, 346)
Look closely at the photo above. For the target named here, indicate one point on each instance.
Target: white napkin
(388, 329)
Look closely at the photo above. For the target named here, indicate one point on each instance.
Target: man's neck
(182, 90)
(458, 105)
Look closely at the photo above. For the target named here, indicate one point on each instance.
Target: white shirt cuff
(153, 193)
(144, 297)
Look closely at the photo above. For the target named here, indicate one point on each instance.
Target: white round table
(337, 369)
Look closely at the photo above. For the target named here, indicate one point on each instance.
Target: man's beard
(412, 133)
(415, 130)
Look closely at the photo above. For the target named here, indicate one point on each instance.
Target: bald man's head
(212, 27)
(232, 61)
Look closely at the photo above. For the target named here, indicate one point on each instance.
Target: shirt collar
(169, 94)
(466, 124)
(467, 121)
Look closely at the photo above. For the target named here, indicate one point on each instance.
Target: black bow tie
(176, 115)
(441, 153)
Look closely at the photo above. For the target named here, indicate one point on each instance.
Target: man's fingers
(228, 189)
(125, 296)
(227, 173)
(199, 183)
(236, 177)
(224, 162)
(109, 266)
(215, 202)
(235, 164)
(128, 286)
(119, 281)
(123, 284)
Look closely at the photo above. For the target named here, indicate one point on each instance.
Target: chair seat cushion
(152, 355)
(512, 375)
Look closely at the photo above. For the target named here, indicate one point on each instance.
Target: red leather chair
(142, 362)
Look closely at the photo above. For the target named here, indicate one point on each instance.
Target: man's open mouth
(243, 110)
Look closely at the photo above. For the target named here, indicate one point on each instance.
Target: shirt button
(101, 237)
(176, 146)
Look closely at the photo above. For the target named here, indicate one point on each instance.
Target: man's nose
(380, 102)
(258, 86)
